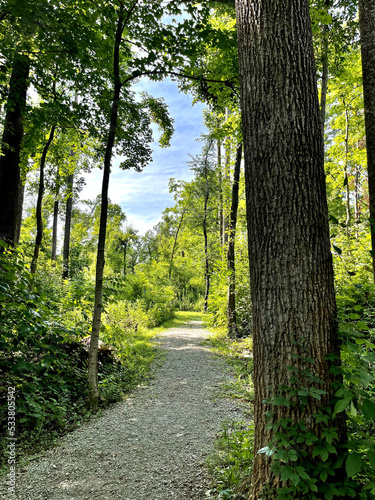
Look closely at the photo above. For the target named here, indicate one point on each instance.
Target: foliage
(40, 334)
(231, 462)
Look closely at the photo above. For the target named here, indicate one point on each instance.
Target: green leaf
(353, 464)
(324, 454)
(341, 406)
(368, 409)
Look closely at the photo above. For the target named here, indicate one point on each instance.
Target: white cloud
(144, 196)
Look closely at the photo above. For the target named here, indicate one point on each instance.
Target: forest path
(150, 446)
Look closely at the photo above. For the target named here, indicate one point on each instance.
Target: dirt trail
(150, 446)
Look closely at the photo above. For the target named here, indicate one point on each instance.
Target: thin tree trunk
(221, 210)
(231, 299)
(94, 341)
(206, 256)
(367, 30)
(68, 226)
(125, 250)
(20, 209)
(55, 219)
(39, 215)
(346, 181)
(325, 72)
(226, 184)
(292, 289)
(10, 175)
(205, 235)
(356, 202)
(175, 242)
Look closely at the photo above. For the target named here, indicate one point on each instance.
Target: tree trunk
(226, 184)
(205, 235)
(367, 30)
(20, 209)
(356, 202)
(67, 228)
(39, 215)
(346, 174)
(175, 242)
(55, 219)
(221, 213)
(94, 341)
(293, 300)
(231, 299)
(10, 176)
(325, 72)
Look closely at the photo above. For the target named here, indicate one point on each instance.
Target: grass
(230, 462)
(181, 319)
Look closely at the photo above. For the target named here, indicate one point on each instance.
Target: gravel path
(150, 446)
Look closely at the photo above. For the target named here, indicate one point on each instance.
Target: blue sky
(143, 196)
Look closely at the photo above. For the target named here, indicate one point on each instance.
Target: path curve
(150, 446)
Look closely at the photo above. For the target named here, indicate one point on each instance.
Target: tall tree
(94, 340)
(293, 300)
(39, 218)
(367, 29)
(10, 174)
(231, 266)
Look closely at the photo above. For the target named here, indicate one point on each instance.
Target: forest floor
(153, 444)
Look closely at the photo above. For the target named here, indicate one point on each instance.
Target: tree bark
(205, 235)
(100, 260)
(10, 175)
(231, 299)
(293, 300)
(39, 203)
(367, 31)
(67, 228)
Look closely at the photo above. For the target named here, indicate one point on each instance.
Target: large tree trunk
(231, 299)
(67, 228)
(367, 29)
(293, 300)
(96, 320)
(39, 215)
(10, 176)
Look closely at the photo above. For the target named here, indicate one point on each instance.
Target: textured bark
(39, 203)
(67, 228)
(10, 175)
(367, 30)
(293, 301)
(231, 262)
(98, 305)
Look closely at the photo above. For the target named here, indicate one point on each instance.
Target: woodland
(273, 239)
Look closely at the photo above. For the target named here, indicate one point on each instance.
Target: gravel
(150, 446)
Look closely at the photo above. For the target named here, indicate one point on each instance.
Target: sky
(144, 196)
